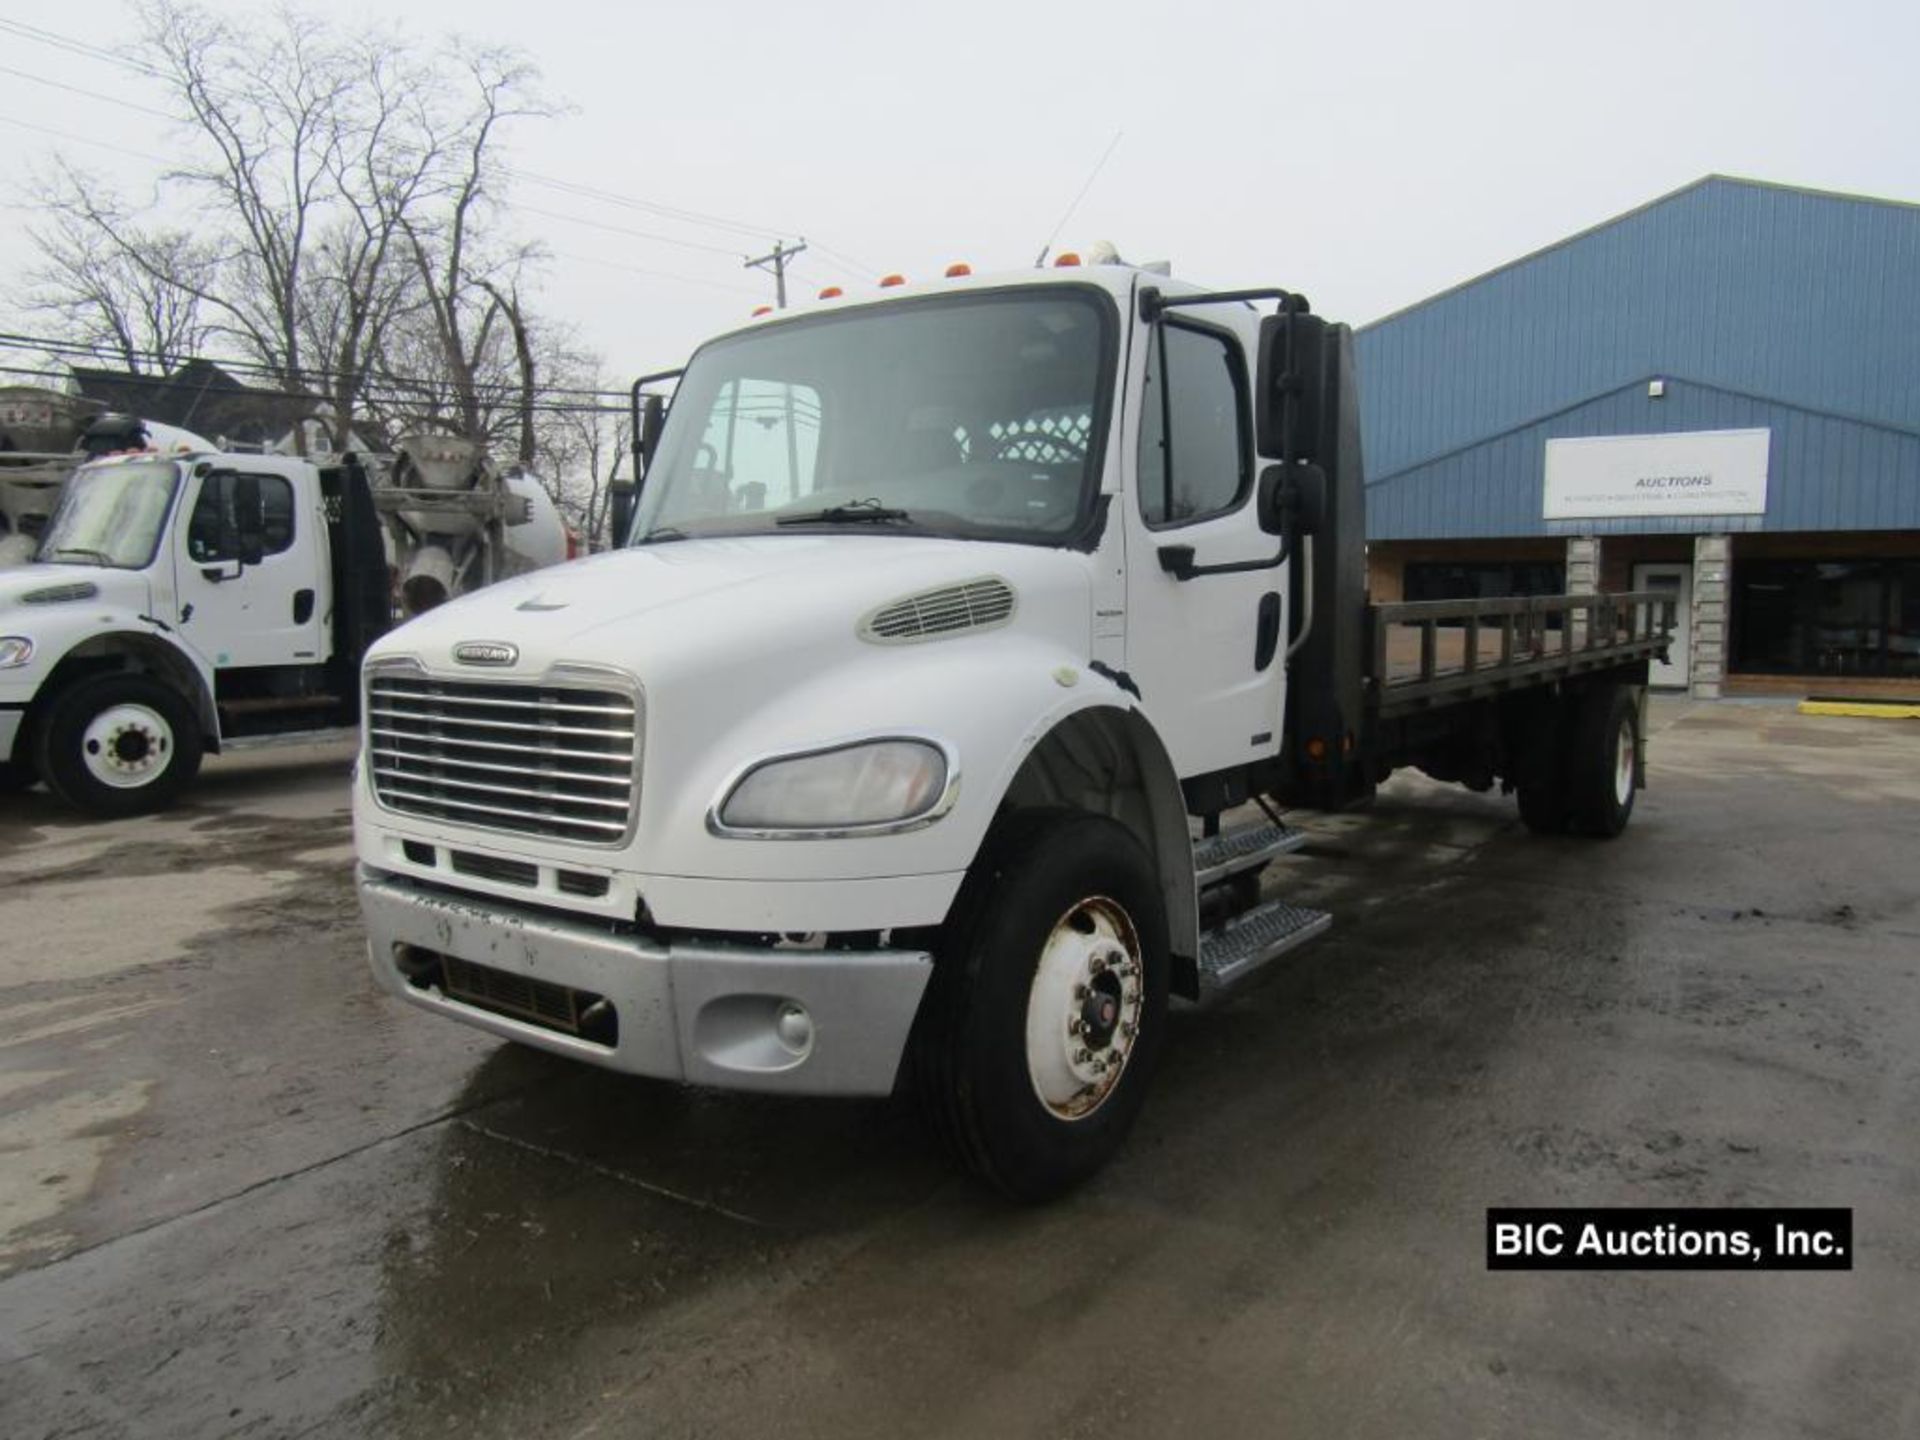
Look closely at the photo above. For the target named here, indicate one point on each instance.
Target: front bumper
(704, 1013)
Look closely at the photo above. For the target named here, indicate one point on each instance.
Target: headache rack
(1427, 653)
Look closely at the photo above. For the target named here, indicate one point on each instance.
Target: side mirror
(621, 496)
(1289, 390)
(1293, 504)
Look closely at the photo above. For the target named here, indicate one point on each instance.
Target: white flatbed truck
(893, 744)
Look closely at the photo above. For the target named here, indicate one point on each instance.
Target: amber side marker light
(1065, 258)
(887, 282)
(832, 292)
(760, 310)
(959, 270)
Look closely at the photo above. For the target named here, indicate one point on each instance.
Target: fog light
(794, 1027)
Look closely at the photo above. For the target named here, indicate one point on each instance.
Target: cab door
(239, 614)
(1205, 651)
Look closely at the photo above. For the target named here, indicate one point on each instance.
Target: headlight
(870, 785)
(14, 650)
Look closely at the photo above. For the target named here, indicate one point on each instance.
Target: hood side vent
(61, 594)
(950, 610)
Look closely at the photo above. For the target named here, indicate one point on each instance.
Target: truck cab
(180, 604)
(895, 740)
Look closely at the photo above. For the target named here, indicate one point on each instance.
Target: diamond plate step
(1235, 950)
(1228, 854)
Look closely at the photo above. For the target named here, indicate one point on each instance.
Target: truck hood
(41, 589)
(711, 603)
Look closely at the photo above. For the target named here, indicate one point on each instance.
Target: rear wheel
(1604, 771)
(1048, 1003)
(119, 745)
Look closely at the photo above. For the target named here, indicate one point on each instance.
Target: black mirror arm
(1177, 560)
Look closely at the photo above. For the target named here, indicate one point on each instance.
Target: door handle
(1266, 630)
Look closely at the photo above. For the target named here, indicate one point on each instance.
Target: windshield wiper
(665, 532)
(853, 512)
(100, 555)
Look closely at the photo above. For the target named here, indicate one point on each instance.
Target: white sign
(1695, 472)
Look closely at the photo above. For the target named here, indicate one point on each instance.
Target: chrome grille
(549, 760)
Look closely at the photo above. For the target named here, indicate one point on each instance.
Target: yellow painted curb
(1864, 709)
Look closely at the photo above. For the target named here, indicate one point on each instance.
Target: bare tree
(90, 291)
(346, 233)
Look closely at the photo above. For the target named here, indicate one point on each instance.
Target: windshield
(971, 415)
(111, 514)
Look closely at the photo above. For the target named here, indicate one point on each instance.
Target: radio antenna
(1093, 175)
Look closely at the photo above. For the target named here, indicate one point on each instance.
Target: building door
(1676, 580)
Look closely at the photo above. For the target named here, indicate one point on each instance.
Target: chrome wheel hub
(127, 746)
(1623, 766)
(1083, 1013)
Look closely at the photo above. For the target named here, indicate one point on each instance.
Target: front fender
(991, 699)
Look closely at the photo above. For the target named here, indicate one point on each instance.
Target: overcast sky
(1367, 154)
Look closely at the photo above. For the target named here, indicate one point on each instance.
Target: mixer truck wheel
(1048, 1003)
(117, 745)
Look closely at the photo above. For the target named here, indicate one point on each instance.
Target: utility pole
(776, 261)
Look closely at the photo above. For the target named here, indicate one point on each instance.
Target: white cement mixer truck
(180, 604)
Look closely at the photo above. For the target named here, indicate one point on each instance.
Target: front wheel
(119, 745)
(1048, 1003)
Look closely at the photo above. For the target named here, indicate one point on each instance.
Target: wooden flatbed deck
(1431, 653)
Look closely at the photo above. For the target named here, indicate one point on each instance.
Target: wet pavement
(243, 1194)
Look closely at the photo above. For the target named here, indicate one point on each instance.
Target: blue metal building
(1717, 393)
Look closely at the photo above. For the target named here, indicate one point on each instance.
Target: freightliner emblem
(485, 652)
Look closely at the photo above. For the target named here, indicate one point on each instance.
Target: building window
(1440, 580)
(1195, 452)
(1827, 617)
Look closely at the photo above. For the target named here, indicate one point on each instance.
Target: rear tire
(1543, 778)
(117, 745)
(1604, 771)
(1048, 1003)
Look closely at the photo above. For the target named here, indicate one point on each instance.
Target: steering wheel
(1049, 449)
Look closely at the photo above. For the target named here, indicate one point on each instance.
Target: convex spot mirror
(620, 498)
(1293, 503)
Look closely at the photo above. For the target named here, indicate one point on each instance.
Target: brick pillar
(1583, 577)
(1583, 564)
(1712, 576)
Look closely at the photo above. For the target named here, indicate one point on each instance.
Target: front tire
(1048, 1003)
(117, 745)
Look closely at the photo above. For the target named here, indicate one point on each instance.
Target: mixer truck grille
(548, 760)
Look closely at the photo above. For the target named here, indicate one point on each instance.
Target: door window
(211, 527)
(1195, 452)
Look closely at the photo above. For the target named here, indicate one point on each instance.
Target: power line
(83, 140)
(95, 350)
(89, 94)
(540, 407)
